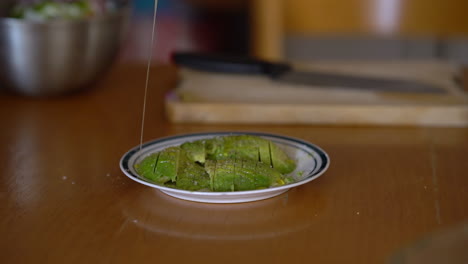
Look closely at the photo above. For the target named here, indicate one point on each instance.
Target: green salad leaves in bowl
(46, 10)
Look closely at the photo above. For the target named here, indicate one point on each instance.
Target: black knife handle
(228, 64)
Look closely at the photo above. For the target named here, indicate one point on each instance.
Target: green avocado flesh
(220, 164)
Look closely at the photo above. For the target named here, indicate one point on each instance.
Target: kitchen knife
(284, 72)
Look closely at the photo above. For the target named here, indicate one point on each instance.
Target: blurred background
(291, 30)
(192, 25)
(304, 29)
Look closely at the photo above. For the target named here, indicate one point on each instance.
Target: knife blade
(284, 72)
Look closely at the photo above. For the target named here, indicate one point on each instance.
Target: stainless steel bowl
(60, 56)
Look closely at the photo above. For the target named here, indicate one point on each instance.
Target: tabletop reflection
(157, 212)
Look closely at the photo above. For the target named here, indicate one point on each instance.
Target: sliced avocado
(264, 150)
(210, 168)
(241, 147)
(195, 150)
(252, 148)
(234, 147)
(280, 161)
(241, 175)
(166, 167)
(146, 167)
(222, 176)
(191, 176)
(249, 177)
(214, 148)
(256, 175)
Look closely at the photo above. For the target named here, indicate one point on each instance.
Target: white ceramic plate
(311, 162)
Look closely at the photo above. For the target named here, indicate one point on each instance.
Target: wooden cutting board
(203, 97)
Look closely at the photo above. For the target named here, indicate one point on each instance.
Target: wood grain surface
(63, 198)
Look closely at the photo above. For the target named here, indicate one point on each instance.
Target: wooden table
(63, 198)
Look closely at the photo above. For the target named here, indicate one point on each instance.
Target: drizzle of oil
(150, 57)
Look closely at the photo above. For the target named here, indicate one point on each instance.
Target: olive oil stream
(150, 57)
